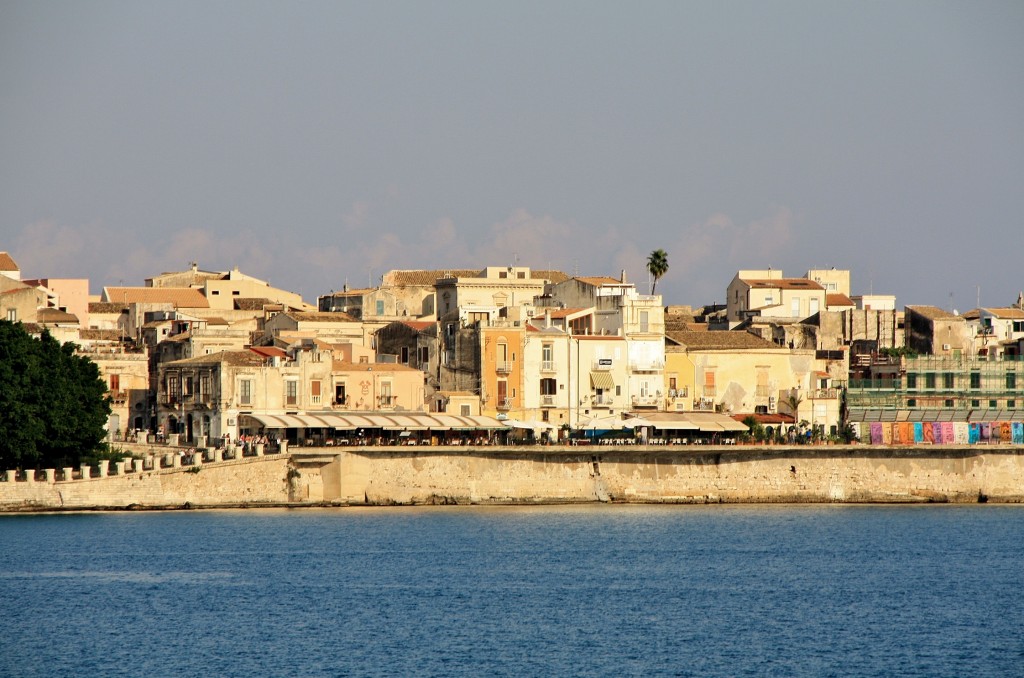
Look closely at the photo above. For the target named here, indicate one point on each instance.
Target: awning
(602, 380)
(709, 422)
(388, 421)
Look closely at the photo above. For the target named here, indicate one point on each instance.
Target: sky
(318, 144)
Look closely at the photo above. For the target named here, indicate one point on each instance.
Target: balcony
(547, 401)
(504, 403)
(678, 392)
(503, 366)
(547, 366)
(646, 400)
(387, 400)
(823, 394)
(602, 401)
(704, 405)
(119, 397)
(646, 365)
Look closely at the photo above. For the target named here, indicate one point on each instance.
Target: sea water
(516, 591)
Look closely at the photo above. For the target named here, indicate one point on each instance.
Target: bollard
(119, 468)
(30, 475)
(218, 455)
(68, 473)
(51, 475)
(259, 449)
(284, 447)
(86, 471)
(104, 468)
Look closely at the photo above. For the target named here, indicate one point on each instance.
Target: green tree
(657, 266)
(53, 404)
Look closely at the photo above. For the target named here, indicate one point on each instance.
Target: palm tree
(657, 266)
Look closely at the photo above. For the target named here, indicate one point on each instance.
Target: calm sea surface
(546, 591)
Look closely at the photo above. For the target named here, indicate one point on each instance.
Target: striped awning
(388, 421)
(602, 380)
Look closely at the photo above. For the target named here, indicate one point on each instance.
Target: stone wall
(755, 475)
(495, 475)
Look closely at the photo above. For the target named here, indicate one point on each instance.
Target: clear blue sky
(316, 143)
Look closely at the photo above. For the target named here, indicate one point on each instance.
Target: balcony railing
(679, 392)
(387, 401)
(547, 401)
(762, 391)
(824, 394)
(547, 366)
(503, 366)
(704, 405)
(645, 401)
(504, 403)
(603, 401)
(646, 365)
(119, 397)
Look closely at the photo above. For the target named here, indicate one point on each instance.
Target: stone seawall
(692, 475)
(496, 475)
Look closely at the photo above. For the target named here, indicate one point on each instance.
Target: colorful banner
(962, 433)
(948, 432)
(932, 432)
(974, 434)
(876, 433)
(1005, 432)
(1018, 433)
(918, 432)
(887, 431)
(984, 432)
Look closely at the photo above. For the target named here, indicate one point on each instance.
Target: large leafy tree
(53, 404)
(657, 266)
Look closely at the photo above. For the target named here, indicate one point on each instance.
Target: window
(993, 404)
(911, 380)
(245, 392)
(1018, 325)
(291, 392)
(814, 306)
(947, 380)
(1011, 380)
(644, 321)
(172, 386)
(464, 410)
(204, 385)
(1011, 404)
(314, 391)
(947, 403)
(405, 355)
(929, 380)
(548, 387)
(547, 357)
(12, 315)
(115, 383)
(975, 380)
(975, 403)
(618, 389)
(386, 398)
(794, 307)
(188, 386)
(339, 394)
(380, 307)
(912, 402)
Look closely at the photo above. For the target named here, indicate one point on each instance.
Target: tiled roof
(53, 315)
(718, 340)
(320, 317)
(353, 292)
(252, 303)
(426, 278)
(599, 280)
(932, 312)
(268, 351)
(838, 300)
(7, 262)
(105, 307)
(179, 297)
(560, 312)
(785, 284)
(1007, 313)
(98, 335)
(419, 325)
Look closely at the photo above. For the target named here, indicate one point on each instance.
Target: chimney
(547, 318)
(622, 277)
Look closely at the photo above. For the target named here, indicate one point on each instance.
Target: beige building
(335, 328)
(766, 293)
(933, 331)
(739, 373)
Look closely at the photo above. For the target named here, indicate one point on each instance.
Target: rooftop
(718, 340)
